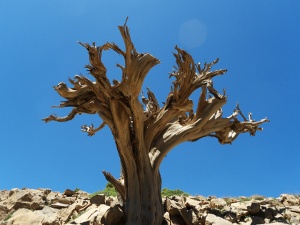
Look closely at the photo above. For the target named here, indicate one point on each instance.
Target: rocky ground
(46, 207)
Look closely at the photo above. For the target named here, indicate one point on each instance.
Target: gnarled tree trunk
(144, 131)
(142, 183)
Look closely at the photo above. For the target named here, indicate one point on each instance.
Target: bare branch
(90, 129)
(69, 117)
(238, 110)
(151, 103)
(133, 78)
(118, 184)
(228, 134)
(68, 93)
(114, 47)
(178, 108)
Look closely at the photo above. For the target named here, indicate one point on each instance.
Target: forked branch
(177, 122)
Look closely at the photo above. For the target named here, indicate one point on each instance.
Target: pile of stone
(227, 211)
(46, 207)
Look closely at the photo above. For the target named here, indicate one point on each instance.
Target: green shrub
(257, 197)
(108, 191)
(8, 216)
(167, 192)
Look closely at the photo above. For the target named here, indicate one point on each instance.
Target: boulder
(281, 218)
(178, 209)
(295, 209)
(38, 217)
(25, 198)
(212, 219)
(83, 195)
(177, 220)
(112, 201)
(45, 207)
(25, 216)
(50, 197)
(167, 219)
(87, 217)
(172, 207)
(254, 220)
(217, 203)
(192, 202)
(98, 199)
(69, 193)
(268, 213)
(82, 204)
(230, 216)
(4, 195)
(277, 223)
(253, 208)
(3, 212)
(202, 200)
(195, 219)
(289, 200)
(90, 215)
(59, 205)
(113, 216)
(294, 220)
(239, 209)
(239, 206)
(66, 214)
(63, 200)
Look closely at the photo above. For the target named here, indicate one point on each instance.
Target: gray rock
(256, 220)
(59, 205)
(192, 202)
(3, 212)
(98, 199)
(38, 217)
(172, 207)
(113, 216)
(167, 219)
(175, 209)
(24, 199)
(90, 215)
(289, 200)
(69, 193)
(112, 201)
(64, 200)
(27, 206)
(230, 216)
(212, 219)
(273, 223)
(217, 203)
(253, 208)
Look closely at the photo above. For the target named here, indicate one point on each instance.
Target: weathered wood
(144, 132)
(119, 186)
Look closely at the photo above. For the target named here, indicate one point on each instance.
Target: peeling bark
(144, 132)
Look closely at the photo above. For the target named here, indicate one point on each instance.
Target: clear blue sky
(257, 41)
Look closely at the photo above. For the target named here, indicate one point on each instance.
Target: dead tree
(145, 131)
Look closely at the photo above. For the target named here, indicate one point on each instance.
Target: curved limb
(90, 129)
(70, 116)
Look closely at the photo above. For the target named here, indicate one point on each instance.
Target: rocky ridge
(46, 207)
